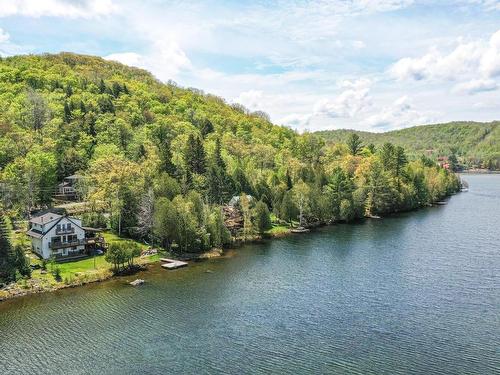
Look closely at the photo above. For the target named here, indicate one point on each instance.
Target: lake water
(417, 293)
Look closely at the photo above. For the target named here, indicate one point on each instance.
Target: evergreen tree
(219, 184)
(289, 183)
(7, 268)
(354, 144)
(400, 161)
(69, 90)
(371, 147)
(106, 105)
(195, 155)
(163, 138)
(339, 188)
(241, 183)
(83, 109)
(453, 162)
(206, 127)
(262, 217)
(67, 113)
(379, 197)
(116, 89)
(21, 261)
(387, 156)
(102, 86)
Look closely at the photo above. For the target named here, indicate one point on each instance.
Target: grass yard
(89, 269)
(277, 230)
(111, 237)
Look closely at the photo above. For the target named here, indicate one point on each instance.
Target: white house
(58, 236)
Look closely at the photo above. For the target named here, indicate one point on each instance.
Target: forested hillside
(475, 144)
(159, 160)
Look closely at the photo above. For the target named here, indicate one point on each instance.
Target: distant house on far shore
(443, 162)
(62, 237)
(66, 190)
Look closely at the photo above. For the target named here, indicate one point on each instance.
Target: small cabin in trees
(62, 237)
(66, 190)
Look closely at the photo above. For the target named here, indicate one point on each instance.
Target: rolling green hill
(158, 162)
(475, 144)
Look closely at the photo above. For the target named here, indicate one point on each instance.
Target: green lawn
(90, 268)
(278, 229)
(111, 237)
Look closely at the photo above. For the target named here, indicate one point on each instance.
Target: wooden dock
(172, 264)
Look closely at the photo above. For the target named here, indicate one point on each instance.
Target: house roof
(45, 218)
(73, 177)
(35, 234)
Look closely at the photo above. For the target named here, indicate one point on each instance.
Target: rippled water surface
(415, 293)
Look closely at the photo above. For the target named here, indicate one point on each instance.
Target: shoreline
(478, 171)
(17, 290)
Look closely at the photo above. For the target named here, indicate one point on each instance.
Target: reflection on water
(413, 293)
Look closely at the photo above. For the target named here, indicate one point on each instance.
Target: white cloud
(436, 65)
(401, 113)
(475, 86)
(296, 120)
(476, 62)
(354, 99)
(56, 8)
(165, 59)
(127, 58)
(252, 99)
(7, 48)
(490, 60)
(4, 36)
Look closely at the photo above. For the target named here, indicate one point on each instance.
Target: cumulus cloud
(56, 8)
(296, 120)
(401, 113)
(166, 59)
(354, 99)
(475, 86)
(474, 65)
(435, 64)
(252, 99)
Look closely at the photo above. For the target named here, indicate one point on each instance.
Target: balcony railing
(65, 231)
(83, 241)
(59, 245)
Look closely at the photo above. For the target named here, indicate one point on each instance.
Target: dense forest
(474, 144)
(158, 162)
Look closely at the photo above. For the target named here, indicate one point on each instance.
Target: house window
(58, 228)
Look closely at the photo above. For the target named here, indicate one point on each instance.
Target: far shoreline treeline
(178, 168)
(468, 145)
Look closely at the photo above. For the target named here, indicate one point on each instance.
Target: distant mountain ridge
(476, 144)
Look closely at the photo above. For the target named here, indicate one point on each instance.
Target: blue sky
(365, 64)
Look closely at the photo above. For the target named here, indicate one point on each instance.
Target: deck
(172, 264)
